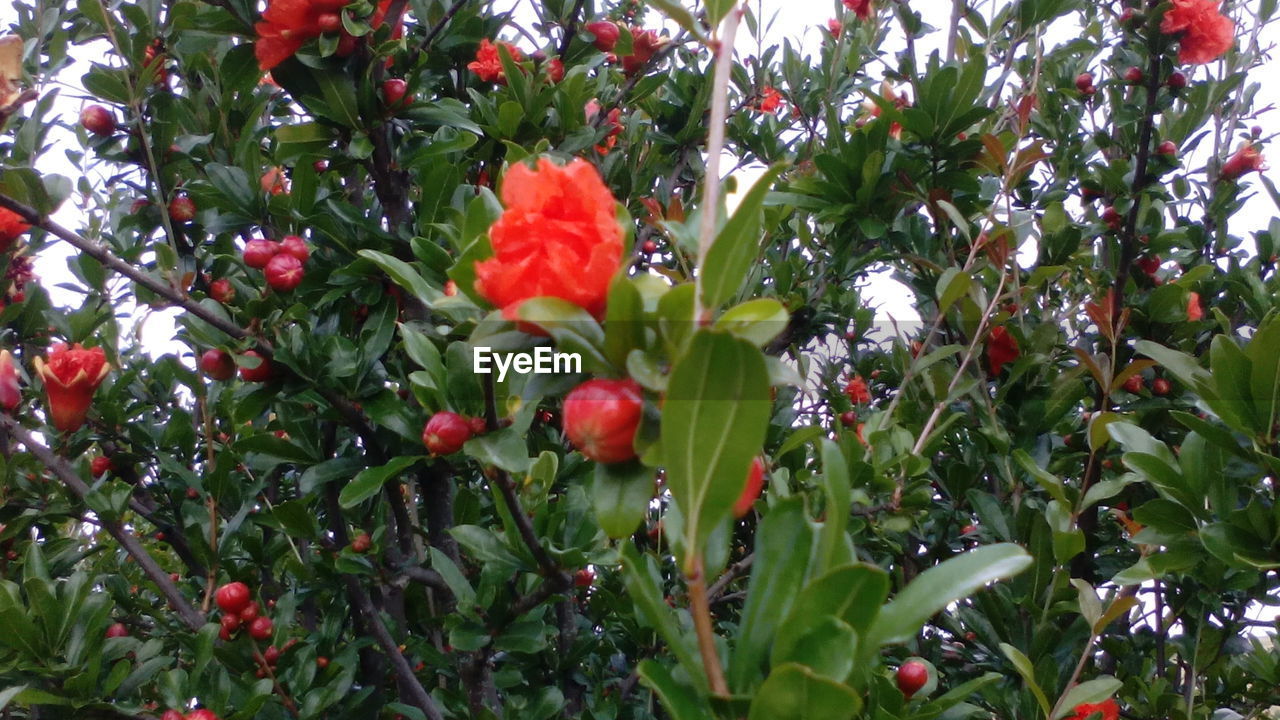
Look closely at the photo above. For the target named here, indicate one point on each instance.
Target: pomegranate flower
(287, 25)
(1002, 347)
(857, 390)
(644, 44)
(1107, 708)
(770, 100)
(558, 237)
(9, 393)
(488, 63)
(11, 226)
(1245, 160)
(861, 8)
(71, 375)
(1205, 33)
(1194, 311)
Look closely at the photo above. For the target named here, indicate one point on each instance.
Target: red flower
(555, 70)
(71, 375)
(9, 394)
(274, 181)
(1002, 347)
(1108, 708)
(11, 226)
(750, 491)
(857, 390)
(488, 63)
(644, 43)
(1206, 33)
(1149, 265)
(558, 237)
(835, 27)
(287, 25)
(1194, 311)
(861, 8)
(770, 100)
(1245, 160)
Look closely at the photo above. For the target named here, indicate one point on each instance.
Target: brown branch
(729, 575)
(100, 253)
(193, 618)
(404, 673)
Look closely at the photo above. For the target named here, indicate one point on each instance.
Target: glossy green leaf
(736, 245)
(620, 493)
(369, 481)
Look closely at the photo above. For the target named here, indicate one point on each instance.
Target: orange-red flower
(274, 181)
(1107, 708)
(861, 8)
(71, 375)
(11, 226)
(558, 237)
(1194, 311)
(488, 63)
(1245, 160)
(613, 121)
(857, 390)
(9, 394)
(1002, 347)
(770, 100)
(287, 25)
(644, 43)
(1206, 32)
(555, 70)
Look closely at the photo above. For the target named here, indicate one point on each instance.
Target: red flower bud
(1134, 384)
(911, 677)
(117, 630)
(295, 246)
(1168, 147)
(98, 120)
(261, 628)
(1161, 386)
(250, 612)
(393, 92)
(445, 433)
(1176, 81)
(201, 714)
(1084, 83)
(271, 655)
(751, 491)
(10, 395)
(182, 209)
(606, 34)
(257, 253)
(171, 715)
(601, 416)
(71, 375)
(583, 578)
(260, 373)
(99, 465)
(232, 597)
(218, 364)
(222, 290)
(361, 543)
(284, 272)
(1133, 75)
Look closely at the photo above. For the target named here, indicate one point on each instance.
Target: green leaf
(463, 594)
(295, 141)
(794, 692)
(679, 700)
(952, 286)
(1023, 665)
(367, 484)
(643, 581)
(776, 578)
(1090, 691)
(757, 321)
(941, 585)
(504, 448)
(853, 593)
(713, 424)
(736, 245)
(620, 493)
(296, 519)
(404, 275)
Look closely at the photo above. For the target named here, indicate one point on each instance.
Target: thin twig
(193, 618)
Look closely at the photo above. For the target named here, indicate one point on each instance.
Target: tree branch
(193, 618)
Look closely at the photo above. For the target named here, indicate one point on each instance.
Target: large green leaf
(620, 493)
(736, 245)
(941, 585)
(794, 692)
(783, 542)
(367, 484)
(713, 423)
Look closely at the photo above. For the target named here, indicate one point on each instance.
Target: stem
(700, 608)
(1075, 675)
(193, 618)
(715, 145)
